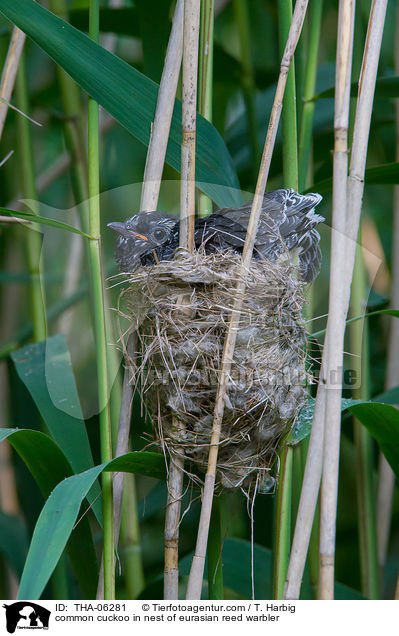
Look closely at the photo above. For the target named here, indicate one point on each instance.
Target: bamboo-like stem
(313, 468)
(301, 54)
(205, 94)
(365, 485)
(304, 163)
(11, 219)
(385, 490)
(300, 453)
(33, 248)
(73, 127)
(205, 81)
(305, 137)
(205, 67)
(215, 569)
(189, 115)
(172, 522)
(122, 447)
(187, 221)
(99, 325)
(130, 544)
(362, 124)
(386, 477)
(197, 567)
(313, 554)
(282, 529)
(163, 114)
(9, 73)
(75, 141)
(149, 201)
(247, 77)
(335, 324)
(33, 236)
(288, 114)
(340, 291)
(122, 443)
(282, 534)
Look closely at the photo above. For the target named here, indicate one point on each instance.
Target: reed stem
(248, 77)
(214, 551)
(282, 535)
(189, 118)
(9, 73)
(163, 115)
(341, 275)
(314, 463)
(282, 538)
(172, 523)
(305, 137)
(130, 544)
(33, 236)
(205, 81)
(365, 484)
(197, 567)
(288, 113)
(99, 325)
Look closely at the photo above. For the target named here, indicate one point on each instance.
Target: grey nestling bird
(140, 236)
(287, 225)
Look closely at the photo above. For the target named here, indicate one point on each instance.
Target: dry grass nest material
(180, 310)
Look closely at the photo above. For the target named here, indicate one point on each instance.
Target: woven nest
(180, 310)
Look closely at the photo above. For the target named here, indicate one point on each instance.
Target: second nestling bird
(287, 225)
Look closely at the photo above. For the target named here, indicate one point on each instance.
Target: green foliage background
(33, 376)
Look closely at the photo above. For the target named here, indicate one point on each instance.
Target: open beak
(120, 228)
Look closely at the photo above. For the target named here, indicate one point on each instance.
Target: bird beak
(120, 228)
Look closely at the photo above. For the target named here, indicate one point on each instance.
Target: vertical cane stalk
(205, 81)
(282, 534)
(336, 324)
(248, 77)
(149, 201)
(99, 325)
(189, 115)
(305, 177)
(282, 531)
(365, 485)
(288, 114)
(197, 566)
(314, 463)
(186, 238)
(130, 544)
(28, 187)
(343, 263)
(205, 94)
(188, 25)
(305, 137)
(33, 249)
(215, 569)
(9, 73)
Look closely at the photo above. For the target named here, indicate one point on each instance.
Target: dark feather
(287, 224)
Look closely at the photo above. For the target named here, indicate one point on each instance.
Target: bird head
(140, 235)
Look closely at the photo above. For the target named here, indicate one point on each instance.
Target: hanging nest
(180, 310)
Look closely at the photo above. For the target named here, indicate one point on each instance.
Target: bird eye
(159, 234)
